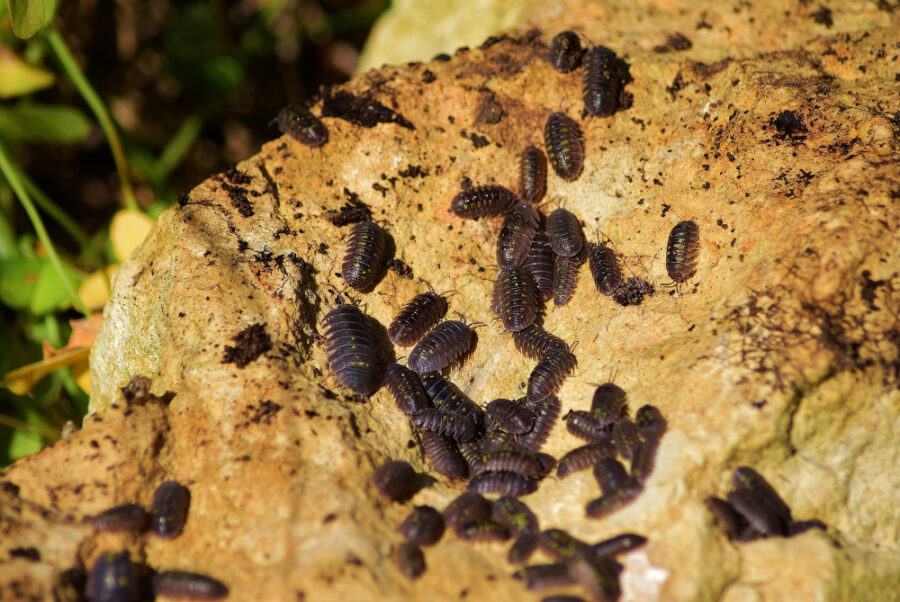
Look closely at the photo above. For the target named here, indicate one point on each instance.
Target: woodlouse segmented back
(396, 480)
(560, 545)
(565, 146)
(643, 460)
(650, 422)
(482, 201)
(565, 51)
(443, 345)
(611, 475)
(524, 463)
(601, 83)
(169, 510)
(532, 174)
(468, 507)
(423, 527)
(546, 412)
(608, 404)
(584, 457)
(454, 413)
(503, 482)
(483, 529)
(127, 517)
(193, 586)
(113, 577)
(364, 255)
(565, 276)
(416, 318)
(523, 547)
(564, 230)
(620, 544)
(626, 437)
(539, 577)
(605, 269)
(444, 455)
(512, 416)
(351, 348)
(405, 387)
(302, 125)
(682, 250)
(517, 299)
(514, 514)
(535, 342)
(539, 262)
(410, 560)
(581, 424)
(516, 234)
(549, 373)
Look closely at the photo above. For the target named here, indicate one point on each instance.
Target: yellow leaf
(127, 231)
(82, 373)
(97, 287)
(18, 78)
(21, 380)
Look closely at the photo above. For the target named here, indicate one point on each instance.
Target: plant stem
(54, 212)
(11, 175)
(45, 432)
(65, 58)
(178, 146)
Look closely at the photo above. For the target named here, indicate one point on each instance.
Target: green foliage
(43, 124)
(27, 17)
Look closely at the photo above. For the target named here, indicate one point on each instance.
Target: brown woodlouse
(410, 560)
(468, 507)
(565, 276)
(502, 482)
(565, 51)
(566, 237)
(482, 201)
(444, 455)
(539, 577)
(546, 412)
(523, 547)
(423, 527)
(405, 387)
(605, 269)
(169, 509)
(497, 438)
(126, 517)
(443, 345)
(758, 502)
(514, 514)
(598, 576)
(396, 480)
(606, 504)
(601, 83)
(581, 424)
(584, 457)
(364, 255)
(454, 413)
(517, 298)
(625, 437)
(524, 463)
(560, 545)
(181, 584)
(611, 475)
(620, 544)
(682, 250)
(483, 529)
(539, 262)
(643, 460)
(302, 126)
(565, 146)
(608, 404)
(516, 234)
(650, 422)
(532, 174)
(534, 342)
(726, 517)
(351, 348)
(416, 318)
(513, 416)
(549, 373)
(113, 577)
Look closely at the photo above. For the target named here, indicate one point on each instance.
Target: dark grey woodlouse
(682, 250)
(510, 460)
(581, 424)
(502, 482)
(584, 457)
(364, 255)
(598, 576)
(302, 126)
(601, 83)
(396, 480)
(758, 502)
(410, 560)
(512, 416)
(405, 387)
(726, 517)
(468, 507)
(565, 276)
(546, 413)
(181, 584)
(561, 546)
(523, 547)
(113, 578)
(549, 373)
(608, 404)
(611, 475)
(534, 342)
(566, 237)
(565, 146)
(514, 514)
(454, 413)
(482, 201)
(517, 298)
(620, 544)
(650, 422)
(608, 503)
(539, 577)
(483, 529)
(127, 517)
(351, 348)
(516, 234)
(444, 455)
(424, 526)
(605, 269)
(565, 51)
(643, 460)
(497, 438)
(532, 174)
(169, 510)
(539, 262)
(625, 437)
(443, 345)
(416, 318)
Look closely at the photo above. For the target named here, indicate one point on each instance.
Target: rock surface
(778, 134)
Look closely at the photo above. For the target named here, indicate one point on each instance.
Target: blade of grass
(178, 146)
(11, 175)
(67, 61)
(54, 212)
(45, 432)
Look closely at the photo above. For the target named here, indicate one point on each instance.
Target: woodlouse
(443, 345)
(566, 237)
(560, 545)
(351, 348)
(608, 503)
(416, 318)
(625, 437)
(643, 460)
(483, 529)
(521, 462)
(517, 299)
(396, 480)
(523, 547)
(514, 514)
(611, 475)
(497, 438)
(650, 422)
(584, 457)
(410, 560)
(444, 455)
(758, 502)
(601, 83)
(454, 413)
(423, 527)
(535, 342)
(549, 373)
(598, 576)
(405, 387)
(113, 579)
(502, 483)
(565, 146)
(682, 250)
(608, 404)
(539, 577)
(181, 584)
(620, 544)
(482, 201)
(468, 507)
(513, 416)
(546, 412)
(539, 262)
(169, 510)
(726, 517)
(127, 517)
(565, 276)
(364, 255)
(516, 234)
(302, 125)
(565, 51)
(532, 174)
(605, 269)
(582, 424)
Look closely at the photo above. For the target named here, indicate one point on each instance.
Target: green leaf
(18, 77)
(18, 279)
(27, 17)
(50, 293)
(52, 124)
(23, 443)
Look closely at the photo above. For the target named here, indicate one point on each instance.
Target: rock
(776, 134)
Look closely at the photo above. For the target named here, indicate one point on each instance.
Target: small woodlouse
(523, 547)
(512, 416)
(302, 125)
(608, 404)
(726, 517)
(443, 345)
(468, 507)
(113, 578)
(758, 501)
(565, 146)
(517, 298)
(682, 250)
(169, 510)
(560, 545)
(416, 318)
(566, 237)
(539, 577)
(405, 387)
(565, 51)
(351, 348)
(423, 527)
(546, 412)
(650, 422)
(625, 437)
(482, 201)
(444, 455)
(620, 544)
(608, 503)
(181, 584)
(410, 560)
(127, 517)
(364, 255)
(516, 234)
(598, 576)
(454, 413)
(643, 460)
(503, 482)
(565, 276)
(601, 84)
(497, 438)
(584, 457)
(534, 342)
(510, 460)
(514, 514)
(539, 262)
(483, 529)
(605, 269)
(611, 475)
(396, 480)
(549, 373)
(532, 174)
(582, 424)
